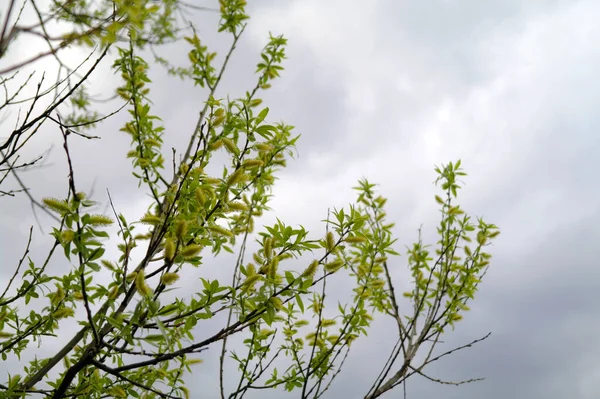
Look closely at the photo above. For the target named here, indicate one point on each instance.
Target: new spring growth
(66, 236)
(186, 392)
(250, 269)
(150, 219)
(311, 269)
(130, 277)
(316, 306)
(264, 334)
(301, 323)
(264, 269)
(237, 206)
(140, 284)
(263, 147)
(328, 323)
(333, 266)
(169, 278)
(378, 283)
(355, 239)
(273, 266)
(219, 117)
(230, 145)
(99, 220)
(58, 296)
(59, 206)
(169, 249)
(276, 302)
(109, 265)
(117, 392)
(114, 293)
(190, 251)
(63, 313)
(220, 230)
(200, 197)
(237, 177)
(215, 145)
(267, 247)
(183, 168)
(255, 103)
(252, 163)
(330, 241)
(250, 281)
(180, 229)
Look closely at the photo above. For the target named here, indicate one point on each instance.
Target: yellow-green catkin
(199, 195)
(190, 251)
(220, 230)
(267, 247)
(211, 180)
(183, 168)
(100, 220)
(311, 269)
(378, 283)
(59, 206)
(230, 145)
(215, 145)
(63, 313)
(253, 163)
(327, 323)
(180, 229)
(255, 102)
(67, 236)
(301, 323)
(237, 206)
(264, 269)
(140, 284)
(274, 265)
(251, 280)
(117, 392)
(169, 249)
(334, 266)
(330, 241)
(140, 237)
(169, 278)
(218, 120)
(355, 239)
(276, 302)
(236, 177)
(114, 293)
(250, 269)
(263, 147)
(150, 219)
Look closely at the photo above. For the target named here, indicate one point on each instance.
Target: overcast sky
(385, 90)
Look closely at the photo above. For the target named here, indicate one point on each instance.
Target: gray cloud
(385, 90)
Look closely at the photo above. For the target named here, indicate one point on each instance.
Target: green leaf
(97, 254)
(300, 303)
(262, 115)
(289, 277)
